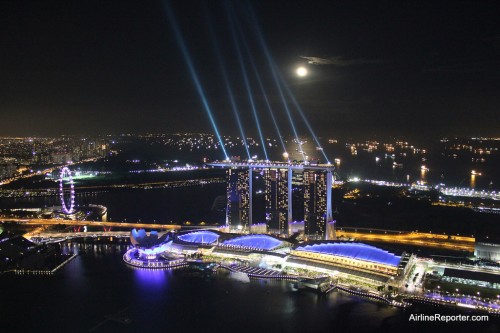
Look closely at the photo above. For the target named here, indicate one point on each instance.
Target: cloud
(341, 61)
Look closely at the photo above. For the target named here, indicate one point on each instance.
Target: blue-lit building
(203, 237)
(211, 239)
(349, 261)
(255, 241)
(360, 261)
(151, 250)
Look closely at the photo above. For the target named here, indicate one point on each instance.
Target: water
(163, 205)
(97, 283)
(443, 168)
(196, 204)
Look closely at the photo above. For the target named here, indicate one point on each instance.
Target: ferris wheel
(71, 209)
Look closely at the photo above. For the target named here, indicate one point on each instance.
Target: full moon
(301, 71)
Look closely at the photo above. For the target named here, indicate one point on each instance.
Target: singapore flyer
(65, 209)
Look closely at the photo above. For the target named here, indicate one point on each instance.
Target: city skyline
(392, 68)
(234, 165)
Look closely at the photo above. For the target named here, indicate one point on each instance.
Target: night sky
(413, 68)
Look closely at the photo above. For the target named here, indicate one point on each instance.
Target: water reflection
(98, 283)
(150, 278)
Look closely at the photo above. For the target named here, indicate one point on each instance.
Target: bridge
(51, 222)
(61, 236)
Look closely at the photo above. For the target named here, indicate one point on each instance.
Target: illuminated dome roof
(156, 249)
(353, 250)
(203, 236)
(263, 242)
(142, 239)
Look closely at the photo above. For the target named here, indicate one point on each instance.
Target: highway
(50, 222)
(457, 243)
(69, 235)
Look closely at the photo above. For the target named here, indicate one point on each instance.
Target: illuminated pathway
(414, 238)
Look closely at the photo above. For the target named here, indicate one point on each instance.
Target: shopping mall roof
(200, 237)
(257, 241)
(352, 250)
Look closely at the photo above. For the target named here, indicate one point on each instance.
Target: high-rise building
(315, 202)
(276, 197)
(238, 197)
(311, 185)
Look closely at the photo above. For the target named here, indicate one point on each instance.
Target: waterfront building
(276, 198)
(489, 249)
(354, 261)
(238, 210)
(314, 181)
(469, 277)
(350, 261)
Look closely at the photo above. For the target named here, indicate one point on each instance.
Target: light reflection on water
(98, 283)
(150, 278)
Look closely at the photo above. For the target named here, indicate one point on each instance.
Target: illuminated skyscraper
(277, 203)
(312, 182)
(238, 197)
(315, 202)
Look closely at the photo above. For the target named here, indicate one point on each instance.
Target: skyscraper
(276, 196)
(238, 197)
(311, 186)
(315, 202)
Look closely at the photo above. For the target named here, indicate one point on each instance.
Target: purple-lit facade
(351, 261)
(65, 209)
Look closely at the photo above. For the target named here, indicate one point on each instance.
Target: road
(51, 222)
(457, 243)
